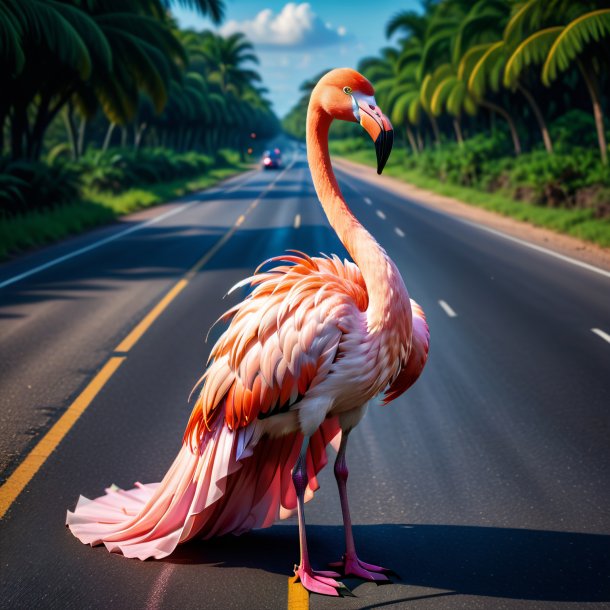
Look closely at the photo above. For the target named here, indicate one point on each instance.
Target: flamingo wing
(413, 366)
(281, 342)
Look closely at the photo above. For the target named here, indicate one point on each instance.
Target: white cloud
(296, 25)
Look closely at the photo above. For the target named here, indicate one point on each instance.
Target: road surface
(485, 486)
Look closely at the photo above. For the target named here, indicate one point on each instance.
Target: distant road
(485, 486)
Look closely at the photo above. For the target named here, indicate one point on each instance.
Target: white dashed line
(368, 201)
(381, 214)
(297, 221)
(399, 232)
(601, 333)
(447, 309)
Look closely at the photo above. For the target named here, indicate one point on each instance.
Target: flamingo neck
(384, 284)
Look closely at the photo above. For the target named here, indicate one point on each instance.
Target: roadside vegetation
(107, 106)
(499, 103)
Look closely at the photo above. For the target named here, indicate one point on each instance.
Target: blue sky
(297, 40)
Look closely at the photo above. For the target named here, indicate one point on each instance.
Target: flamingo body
(313, 342)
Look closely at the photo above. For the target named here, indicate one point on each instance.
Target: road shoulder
(565, 245)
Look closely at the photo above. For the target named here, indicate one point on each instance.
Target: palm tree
(397, 90)
(577, 27)
(41, 67)
(101, 52)
(218, 103)
(407, 101)
(487, 74)
(214, 8)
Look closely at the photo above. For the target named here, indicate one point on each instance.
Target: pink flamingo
(305, 352)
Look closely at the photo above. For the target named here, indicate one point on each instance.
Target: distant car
(272, 159)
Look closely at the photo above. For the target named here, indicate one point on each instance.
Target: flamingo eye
(347, 90)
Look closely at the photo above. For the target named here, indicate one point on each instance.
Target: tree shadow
(482, 561)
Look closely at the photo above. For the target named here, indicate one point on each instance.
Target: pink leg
(350, 564)
(314, 581)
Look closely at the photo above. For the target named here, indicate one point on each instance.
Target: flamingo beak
(377, 125)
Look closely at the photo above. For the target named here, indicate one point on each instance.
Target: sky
(297, 40)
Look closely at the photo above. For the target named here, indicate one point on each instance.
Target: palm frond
(488, 70)
(213, 8)
(591, 27)
(533, 50)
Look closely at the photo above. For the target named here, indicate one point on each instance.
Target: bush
(31, 185)
(349, 145)
(574, 179)
(117, 170)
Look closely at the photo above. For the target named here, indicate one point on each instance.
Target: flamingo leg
(350, 564)
(314, 581)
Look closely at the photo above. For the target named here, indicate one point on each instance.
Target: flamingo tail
(236, 481)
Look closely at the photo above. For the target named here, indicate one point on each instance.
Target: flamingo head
(346, 95)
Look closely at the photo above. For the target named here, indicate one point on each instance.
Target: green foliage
(117, 170)
(574, 128)
(592, 27)
(127, 60)
(27, 186)
(586, 220)
(460, 59)
(93, 208)
(564, 179)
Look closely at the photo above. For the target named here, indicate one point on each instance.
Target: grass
(96, 208)
(579, 223)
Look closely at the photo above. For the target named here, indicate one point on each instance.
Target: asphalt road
(485, 486)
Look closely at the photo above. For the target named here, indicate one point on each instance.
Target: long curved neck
(380, 275)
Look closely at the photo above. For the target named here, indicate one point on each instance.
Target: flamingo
(304, 353)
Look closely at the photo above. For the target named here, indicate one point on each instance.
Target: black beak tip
(383, 148)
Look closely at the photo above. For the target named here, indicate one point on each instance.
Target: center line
(298, 596)
(399, 232)
(381, 214)
(179, 207)
(601, 333)
(447, 309)
(38, 455)
(297, 221)
(368, 201)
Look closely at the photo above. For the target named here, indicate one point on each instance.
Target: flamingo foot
(322, 582)
(350, 565)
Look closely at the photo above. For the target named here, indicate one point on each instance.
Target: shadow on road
(178, 246)
(483, 561)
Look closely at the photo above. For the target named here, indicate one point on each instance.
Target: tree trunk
(458, 132)
(411, 139)
(138, 135)
(124, 136)
(68, 116)
(435, 131)
(108, 136)
(82, 128)
(592, 86)
(544, 130)
(511, 124)
(18, 129)
(420, 141)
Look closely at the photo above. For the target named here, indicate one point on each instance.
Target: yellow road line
(298, 597)
(130, 340)
(37, 457)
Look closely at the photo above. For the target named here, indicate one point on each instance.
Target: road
(485, 486)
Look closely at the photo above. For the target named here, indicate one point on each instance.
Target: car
(272, 159)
